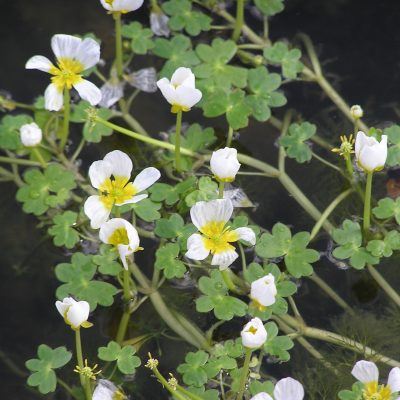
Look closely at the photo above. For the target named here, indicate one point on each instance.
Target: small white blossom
(106, 390)
(370, 154)
(123, 6)
(356, 111)
(224, 164)
(254, 334)
(285, 389)
(263, 291)
(31, 134)
(75, 313)
(159, 23)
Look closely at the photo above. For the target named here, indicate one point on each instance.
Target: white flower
(263, 291)
(181, 92)
(370, 154)
(111, 177)
(367, 373)
(121, 234)
(210, 218)
(159, 23)
(224, 164)
(75, 313)
(237, 196)
(31, 135)
(111, 92)
(254, 334)
(106, 390)
(285, 389)
(356, 111)
(123, 6)
(74, 56)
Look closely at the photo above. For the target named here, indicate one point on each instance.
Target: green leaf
(141, 41)
(259, 387)
(167, 260)
(356, 392)
(197, 139)
(280, 243)
(207, 190)
(147, 210)
(43, 190)
(107, 260)
(125, 357)
(215, 297)
(193, 372)
(178, 53)
(388, 208)
(293, 141)
(393, 134)
(215, 365)
(78, 281)
(63, 231)
(9, 131)
(183, 17)
(211, 394)
(385, 247)
(349, 239)
(277, 345)
(42, 368)
(270, 7)
(171, 194)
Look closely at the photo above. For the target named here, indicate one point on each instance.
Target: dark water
(358, 42)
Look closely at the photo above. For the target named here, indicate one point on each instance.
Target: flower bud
(356, 111)
(123, 6)
(75, 313)
(263, 291)
(224, 164)
(31, 135)
(254, 334)
(370, 154)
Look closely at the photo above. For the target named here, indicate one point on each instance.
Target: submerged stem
(245, 373)
(367, 203)
(67, 111)
(84, 381)
(118, 44)
(239, 21)
(178, 140)
(39, 156)
(384, 284)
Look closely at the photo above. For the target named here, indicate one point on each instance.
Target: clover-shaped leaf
(195, 138)
(140, 37)
(263, 86)
(9, 131)
(171, 194)
(184, 17)
(356, 392)
(43, 190)
(388, 208)
(193, 371)
(147, 210)
(294, 141)
(167, 260)
(207, 190)
(201, 392)
(107, 260)
(280, 243)
(280, 54)
(215, 365)
(125, 357)
(78, 281)
(270, 7)
(215, 297)
(63, 231)
(42, 368)
(385, 247)
(277, 345)
(258, 387)
(174, 227)
(393, 134)
(349, 239)
(92, 133)
(178, 53)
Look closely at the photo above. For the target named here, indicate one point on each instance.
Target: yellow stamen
(177, 107)
(89, 372)
(217, 238)
(252, 330)
(374, 391)
(119, 236)
(346, 147)
(67, 73)
(116, 191)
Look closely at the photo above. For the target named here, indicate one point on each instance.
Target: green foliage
(388, 208)
(280, 243)
(211, 394)
(9, 131)
(262, 86)
(43, 190)
(289, 59)
(141, 38)
(147, 210)
(349, 239)
(270, 7)
(171, 194)
(385, 247)
(215, 297)
(174, 227)
(207, 190)
(196, 138)
(42, 368)
(356, 392)
(125, 357)
(193, 370)
(393, 134)
(167, 260)
(106, 260)
(293, 141)
(63, 231)
(275, 345)
(184, 17)
(258, 387)
(78, 281)
(178, 52)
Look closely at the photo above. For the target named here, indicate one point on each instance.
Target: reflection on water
(347, 35)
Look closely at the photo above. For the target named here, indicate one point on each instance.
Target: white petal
(224, 259)
(121, 163)
(365, 371)
(99, 171)
(88, 53)
(133, 236)
(39, 62)
(224, 163)
(394, 379)
(187, 96)
(122, 5)
(167, 90)
(124, 251)
(258, 396)
(288, 389)
(254, 334)
(146, 178)
(30, 134)
(96, 211)
(196, 249)
(105, 390)
(78, 313)
(183, 76)
(53, 98)
(135, 199)
(264, 290)
(360, 140)
(109, 227)
(247, 235)
(65, 45)
(215, 210)
(88, 91)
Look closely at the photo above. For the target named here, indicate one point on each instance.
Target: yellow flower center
(119, 236)
(374, 391)
(177, 107)
(252, 330)
(116, 191)
(217, 238)
(118, 395)
(67, 73)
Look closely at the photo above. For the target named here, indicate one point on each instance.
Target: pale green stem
(327, 163)
(239, 20)
(349, 166)
(245, 373)
(84, 381)
(118, 44)
(381, 281)
(39, 156)
(67, 111)
(221, 186)
(188, 394)
(78, 150)
(123, 325)
(226, 276)
(20, 161)
(178, 140)
(165, 384)
(230, 137)
(367, 203)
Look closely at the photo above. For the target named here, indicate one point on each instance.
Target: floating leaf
(63, 231)
(193, 371)
(141, 41)
(125, 357)
(167, 260)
